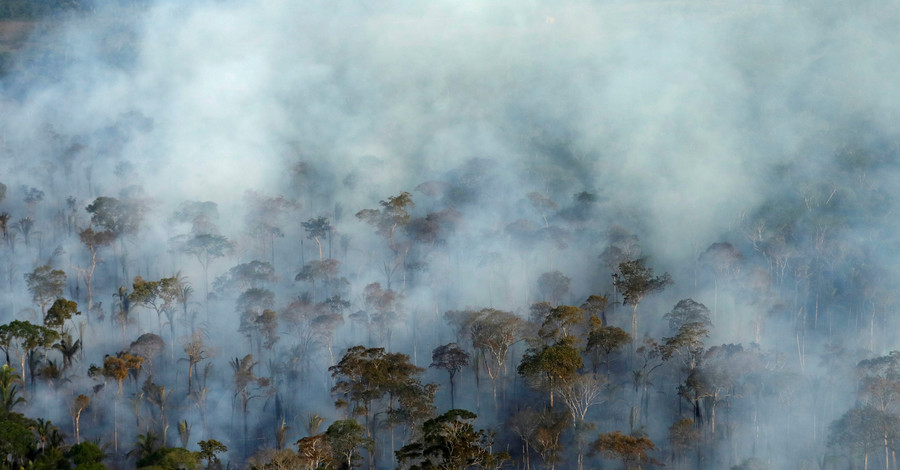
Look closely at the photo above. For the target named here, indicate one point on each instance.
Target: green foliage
(208, 450)
(206, 247)
(688, 311)
(687, 344)
(346, 438)
(451, 358)
(246, 275)
(93, 239)
(24, 339)
(155, 295)
(61, 310)
(560, 323)
(366, 374)
(119, 217)
(450, 441)
(607, 339)
(635, 280)
(9, 393)
(87, 456)
(546, 365)
(317, 228)
(16, 438)
(255, 300)
(393, 214)
(68, 347)
(493, 332)
(170, 458)
(45, 284)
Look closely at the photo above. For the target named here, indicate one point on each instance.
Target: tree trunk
(634, 328)
(190, 375)
(90, 282)
(77, 433)
(452, 394)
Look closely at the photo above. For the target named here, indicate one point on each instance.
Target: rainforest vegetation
(528, 235)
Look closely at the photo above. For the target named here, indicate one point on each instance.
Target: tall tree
(723, 259)
(346, 438)
(315, 451)
(68, 347)
(206, 247)
(879, 381)
(392, 217)
(451, 358)
(119, 218)
(319, 270)
(59, 312)
(861, 430)
(45, 284)
(202, 215)
(546, 366)
(9, 390)
(687, 311)
(254, 274)
(635, 281)
(580, 393)
(158, 395)
(78, 406)
(553, 286)
(264, 219)
(386, 307)
(451, 441)
(24, 339)
(316, 229)
(93, 241)
(606, 340)
(196, 352)
(158, 296)
(208, 450)
(247, 386)
(493, 333)
(365, 375)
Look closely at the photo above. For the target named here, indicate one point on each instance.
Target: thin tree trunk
(452, 394)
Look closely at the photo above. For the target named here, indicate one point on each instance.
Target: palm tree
(44, 430)
(196, 352)
(144, 445)
(243, 378)
(68, 348)
(8, 390)
(158, 396)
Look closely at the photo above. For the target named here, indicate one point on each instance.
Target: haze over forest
(604, 233)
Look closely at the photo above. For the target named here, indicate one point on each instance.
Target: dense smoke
(532, 137)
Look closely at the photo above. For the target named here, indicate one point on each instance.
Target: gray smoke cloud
(685, 118)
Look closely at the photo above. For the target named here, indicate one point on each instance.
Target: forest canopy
(327, 235)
